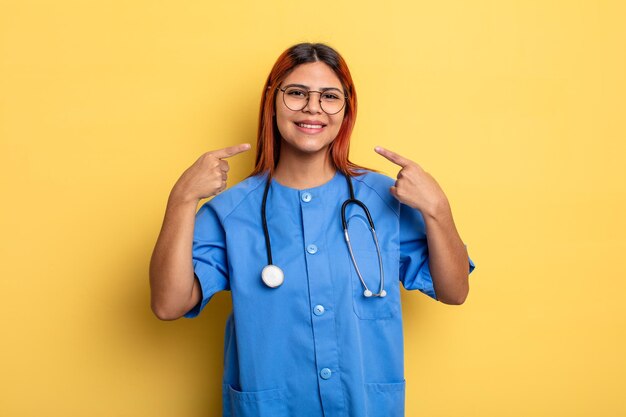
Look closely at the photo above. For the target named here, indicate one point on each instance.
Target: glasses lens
(295, 98)
(332, 101)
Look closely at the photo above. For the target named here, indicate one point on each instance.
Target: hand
(207, 176)
(415, 187)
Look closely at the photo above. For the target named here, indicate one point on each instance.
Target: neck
(303, 171)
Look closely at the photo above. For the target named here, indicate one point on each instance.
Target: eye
(329, 96)
(296, 92)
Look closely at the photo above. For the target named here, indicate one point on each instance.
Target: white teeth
(309, 126)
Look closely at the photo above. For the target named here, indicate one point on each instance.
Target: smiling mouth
(310, 126)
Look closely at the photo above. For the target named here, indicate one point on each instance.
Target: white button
(325, 373)
(312, 249)
(306, 197)
(318, 310)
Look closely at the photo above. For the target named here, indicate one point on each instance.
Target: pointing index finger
(392, 156)
(231, 151)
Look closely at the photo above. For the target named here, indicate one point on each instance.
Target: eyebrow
(306, 87)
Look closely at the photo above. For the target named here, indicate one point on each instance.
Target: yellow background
(516, 107)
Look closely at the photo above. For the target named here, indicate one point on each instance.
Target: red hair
(268, 140)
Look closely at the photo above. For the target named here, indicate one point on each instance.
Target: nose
(313, 104)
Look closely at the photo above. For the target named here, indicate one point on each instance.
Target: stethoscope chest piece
(272, 276)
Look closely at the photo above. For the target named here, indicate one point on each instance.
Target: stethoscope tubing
(352, 200)
(266, 232)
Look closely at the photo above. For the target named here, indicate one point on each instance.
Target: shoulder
(246, 192)
(378, 185)
(375, 180)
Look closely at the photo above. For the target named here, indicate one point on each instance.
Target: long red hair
(268, 140)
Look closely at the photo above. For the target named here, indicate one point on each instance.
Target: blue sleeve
(209, 256)
(414, 269)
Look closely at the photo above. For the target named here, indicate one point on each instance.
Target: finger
(392, 156)
(394, 191)
(224, 166)
(231, 151)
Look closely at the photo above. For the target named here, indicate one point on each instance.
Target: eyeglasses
(296, 98)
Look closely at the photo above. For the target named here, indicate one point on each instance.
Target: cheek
(337, 123)
(282, 121)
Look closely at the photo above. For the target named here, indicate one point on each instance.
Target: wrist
(179, 198)
(439, 210)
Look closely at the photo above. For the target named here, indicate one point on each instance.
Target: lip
(310, 129)
(311, 122)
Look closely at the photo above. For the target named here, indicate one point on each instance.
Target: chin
(312, 148)
(307, 145)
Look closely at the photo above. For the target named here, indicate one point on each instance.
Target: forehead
(314, 75)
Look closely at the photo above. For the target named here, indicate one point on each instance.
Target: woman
(319, 333)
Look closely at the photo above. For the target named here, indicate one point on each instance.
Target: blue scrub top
(315, 346)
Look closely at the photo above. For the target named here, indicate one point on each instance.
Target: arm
(448, 260)
(174, 290)
(447, 257)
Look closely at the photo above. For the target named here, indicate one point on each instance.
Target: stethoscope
(274, 277)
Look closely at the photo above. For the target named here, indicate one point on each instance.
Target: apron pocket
(375, 308)
(266, 403)
(385, 399)
(366, 257)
